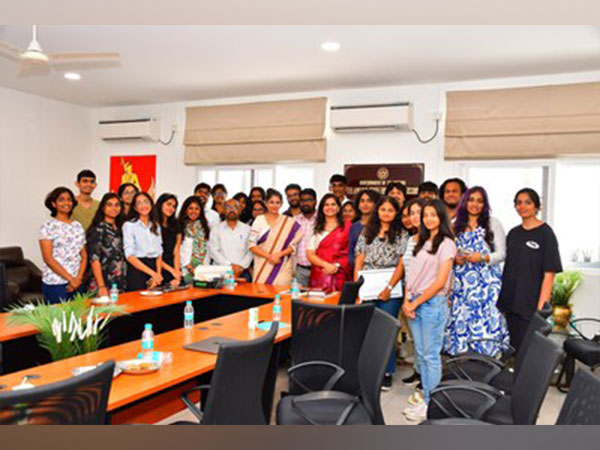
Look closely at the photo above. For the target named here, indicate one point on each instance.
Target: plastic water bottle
(229, 280)
(295, 291)
(277, 309)
(114, 293)
(148, 342)
(188, 315)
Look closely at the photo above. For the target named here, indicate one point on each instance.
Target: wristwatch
(338, 265)
(390, 287)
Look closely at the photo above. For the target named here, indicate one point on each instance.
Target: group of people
(466, 285)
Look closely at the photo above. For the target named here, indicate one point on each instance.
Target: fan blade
(69, 57)
(31, 70)
(10, 51)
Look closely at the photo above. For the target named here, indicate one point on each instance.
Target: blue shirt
(355, 230)
(140, 241)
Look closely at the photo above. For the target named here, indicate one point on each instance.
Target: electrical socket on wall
(437, 115)
(174, 128)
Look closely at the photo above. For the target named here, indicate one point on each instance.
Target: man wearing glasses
(229, 241)
(307, 218)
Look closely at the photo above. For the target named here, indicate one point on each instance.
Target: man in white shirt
(229, 242)
(203, 191)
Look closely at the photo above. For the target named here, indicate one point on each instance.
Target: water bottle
(295, 291)
(230, 280)
(147, 342)
(277, 309)
(188, 315)
(114, 293)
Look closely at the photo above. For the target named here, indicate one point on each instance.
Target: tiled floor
(395, 400)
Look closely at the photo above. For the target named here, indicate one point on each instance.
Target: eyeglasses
(230, 207)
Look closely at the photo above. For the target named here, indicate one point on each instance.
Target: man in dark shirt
(292, 193)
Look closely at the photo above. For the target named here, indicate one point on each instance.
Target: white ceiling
(178, 63)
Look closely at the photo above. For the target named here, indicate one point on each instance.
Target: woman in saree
(273, 239)
(327, 247)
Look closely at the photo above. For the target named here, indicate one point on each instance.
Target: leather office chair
(580, 348)
(350, 291)
(81, 400)
(23, 277)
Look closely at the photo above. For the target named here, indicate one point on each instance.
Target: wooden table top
(134, 302)
(186, 364)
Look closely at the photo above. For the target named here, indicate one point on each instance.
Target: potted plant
(69, 328)
(565, 284)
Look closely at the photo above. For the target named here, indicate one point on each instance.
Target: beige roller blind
(533, 122)
(265, 132)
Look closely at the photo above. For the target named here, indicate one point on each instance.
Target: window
(238, 179)
(570, 191)
(502, 181)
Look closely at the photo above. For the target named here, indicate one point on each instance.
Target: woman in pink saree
(273, 239)
(327, 248)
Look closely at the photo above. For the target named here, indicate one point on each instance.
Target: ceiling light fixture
(72, 76)
(330, 46)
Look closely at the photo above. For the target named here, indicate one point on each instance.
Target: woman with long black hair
(475, 322)
(365, 204)
(428, 286)
(126, 193)
(196, 234)
(532, 260)
(142, 243)
(327, 247)
(105, 246)
(380, 246)
(166, 207)
(244, 201)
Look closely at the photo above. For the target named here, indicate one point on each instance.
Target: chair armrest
(483, 387)
(495, 366)
(325, 395)
(329, 384)
(582, 319)
(35, 282)
(483, 398)
(190, 405)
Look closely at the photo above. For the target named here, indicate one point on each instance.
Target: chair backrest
(80, 400)
(12, 256)
(4, 295)
(582, 405)
(350, 291)
(236, 387)
(374, 355)
(531, 383)
(538, 323)
(332, 333)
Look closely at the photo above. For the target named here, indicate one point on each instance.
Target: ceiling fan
(33, 56)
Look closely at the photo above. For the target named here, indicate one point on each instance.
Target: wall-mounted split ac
(381, 117)
(134, 129)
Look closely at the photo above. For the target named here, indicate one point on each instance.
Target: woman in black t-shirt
(166, 206)
(532, 259)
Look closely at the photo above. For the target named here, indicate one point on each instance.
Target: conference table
(152, 397)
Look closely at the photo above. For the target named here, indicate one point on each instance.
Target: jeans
(428, 334)
(54, 293)
(392, 307)
(303, 275)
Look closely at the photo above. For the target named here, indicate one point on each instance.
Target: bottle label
(147, 344)
(277, 309)
(188, 316)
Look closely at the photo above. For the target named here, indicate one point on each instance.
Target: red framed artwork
(138, 170)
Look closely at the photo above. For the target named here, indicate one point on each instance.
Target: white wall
(390, 147)
(43, 144)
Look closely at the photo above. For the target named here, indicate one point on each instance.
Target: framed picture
(137, 170)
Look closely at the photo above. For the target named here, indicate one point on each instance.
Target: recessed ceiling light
(330, 46)
(72, 76)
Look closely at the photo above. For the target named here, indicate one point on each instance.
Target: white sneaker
(416, 413)
(416, 398)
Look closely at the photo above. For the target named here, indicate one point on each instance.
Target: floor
(395, 400)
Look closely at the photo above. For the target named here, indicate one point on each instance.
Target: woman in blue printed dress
(481, 245)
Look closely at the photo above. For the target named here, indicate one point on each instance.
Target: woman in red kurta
(327, 247)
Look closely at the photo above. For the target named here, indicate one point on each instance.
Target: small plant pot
(561, 316)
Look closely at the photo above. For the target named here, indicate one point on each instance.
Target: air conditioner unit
(381, 117)
(134, 129)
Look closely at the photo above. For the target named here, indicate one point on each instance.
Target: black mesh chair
(474, 400)
(485, 369)
(581, 406)
(236, 389)
(350, 291)
(340, 408)
(580, 348)
(325, 345)
(80, 400)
